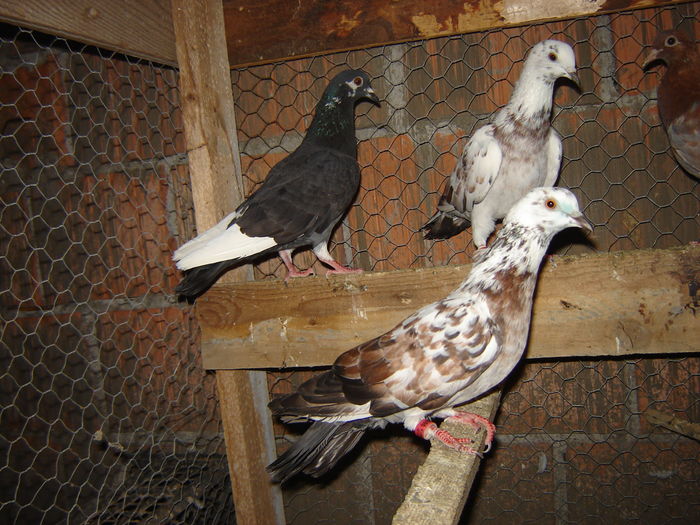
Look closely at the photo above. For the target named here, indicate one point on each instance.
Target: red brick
(566, 397)
(128, 236)
(609, 482)
(380, 215)
(515, 484)
(153, 367)
(396, 455)
(669, 385)
(139, 119)
(49, 365)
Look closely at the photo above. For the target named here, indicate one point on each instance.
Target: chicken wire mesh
(573, 445)
(107, 416)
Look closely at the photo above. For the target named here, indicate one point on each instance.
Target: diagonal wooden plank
(441, 486)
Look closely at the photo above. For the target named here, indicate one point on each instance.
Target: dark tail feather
(198, 280)
(317, 450)
(444, 226)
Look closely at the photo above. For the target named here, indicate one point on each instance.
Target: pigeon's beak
(574, 78)
(651, 59)
(372, 96)
(581, 222)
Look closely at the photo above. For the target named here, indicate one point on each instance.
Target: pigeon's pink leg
(292, 271)
(339, 268)
(322, 253)
(427, 430)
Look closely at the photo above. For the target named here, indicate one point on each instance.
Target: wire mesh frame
(574, 445)
(106, 415)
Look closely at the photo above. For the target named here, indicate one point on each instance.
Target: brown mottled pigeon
(302, 199)
(519, 150)
(446, 354)
(678, 96)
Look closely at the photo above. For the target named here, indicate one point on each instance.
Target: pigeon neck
(334, 125)
(517, 251)
(532, 98)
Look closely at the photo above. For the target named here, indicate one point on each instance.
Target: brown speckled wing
(423, 361)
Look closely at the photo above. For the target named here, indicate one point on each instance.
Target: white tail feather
(201, 239)
(220, 244)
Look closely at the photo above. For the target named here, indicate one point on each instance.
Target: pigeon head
(670, 47)
(334, 122)
(552, 59)
(549, 209)
(351, 85)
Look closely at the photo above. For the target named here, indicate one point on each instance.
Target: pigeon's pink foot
(339, 268)
(427, 430)
(298, 273)
(477, 421)
(293, 271)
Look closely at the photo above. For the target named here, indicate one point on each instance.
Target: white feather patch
(220, 244)
(201, 239)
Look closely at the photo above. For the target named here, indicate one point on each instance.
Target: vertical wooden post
(214, 163)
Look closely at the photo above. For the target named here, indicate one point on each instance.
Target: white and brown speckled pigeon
(519, 150)
(302, 199)
(678, 96)
(446, 354)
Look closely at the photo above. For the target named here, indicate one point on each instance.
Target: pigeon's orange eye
(551, 204)
(671, 41)
(357, 81)
(553, 57)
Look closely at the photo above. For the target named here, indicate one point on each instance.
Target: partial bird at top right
(678, 96)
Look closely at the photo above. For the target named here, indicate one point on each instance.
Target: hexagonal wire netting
(106, 415)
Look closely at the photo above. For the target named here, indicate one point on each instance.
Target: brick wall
(105, 412)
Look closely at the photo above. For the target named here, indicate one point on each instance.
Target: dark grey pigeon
(519, 150)
(302, 199)
(446, 354)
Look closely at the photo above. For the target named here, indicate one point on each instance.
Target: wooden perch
(671, 422)
(440, 487)
(614, 304)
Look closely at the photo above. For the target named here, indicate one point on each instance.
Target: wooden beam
(260, 31)
(608, 304)
(139, 28)
(214, 164)
(268, 30)
(440, 488)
